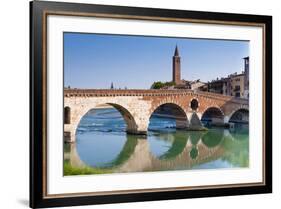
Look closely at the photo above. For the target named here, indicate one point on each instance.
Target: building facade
(236, 85)
(246, 79)
(195, 85)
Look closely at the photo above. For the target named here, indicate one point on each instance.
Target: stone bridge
(136, 106)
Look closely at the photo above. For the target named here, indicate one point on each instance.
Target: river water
(102, 146)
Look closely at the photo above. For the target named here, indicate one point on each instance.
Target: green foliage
(69, 170)
(159, 84)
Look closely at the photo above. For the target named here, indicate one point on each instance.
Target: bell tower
(176, 67)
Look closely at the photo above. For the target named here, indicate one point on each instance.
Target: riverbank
(69, 170)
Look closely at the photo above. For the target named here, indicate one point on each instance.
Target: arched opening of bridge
(66, 114)
(131, 126)
(101, 137)
(239, 121)
(168, 117)
(107, 117)
(240, 116)
(213, 116)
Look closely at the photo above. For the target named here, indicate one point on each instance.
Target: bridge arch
(127, 116)
(239, 115)
(131, 125)
(173, 110)
(213, 116)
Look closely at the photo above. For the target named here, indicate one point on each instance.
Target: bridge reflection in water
(158, 151)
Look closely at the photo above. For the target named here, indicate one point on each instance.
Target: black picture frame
(38, 89)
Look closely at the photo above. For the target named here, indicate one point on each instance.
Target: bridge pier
(69, 137)
(195, 123)
(181, 124)
(140, 125)
(226, 119)
(69, 133)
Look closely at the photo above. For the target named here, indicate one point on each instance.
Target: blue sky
(135, 62)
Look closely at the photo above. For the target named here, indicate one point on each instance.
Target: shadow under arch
(172, 111)
(240, 115)
(212, 116)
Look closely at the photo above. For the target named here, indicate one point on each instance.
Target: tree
(157, 85)
(160, 85)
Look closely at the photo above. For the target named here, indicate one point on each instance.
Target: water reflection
(111, 150)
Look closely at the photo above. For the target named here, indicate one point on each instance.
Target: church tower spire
(176, 51)
(176, 67)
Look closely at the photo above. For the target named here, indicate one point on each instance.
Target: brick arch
(181, 124)
(236, 110)
(122, 109)
(163, 102)
(207, 102)
(213, 106)
(214, 120)
(78, 111)
(127, 116)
